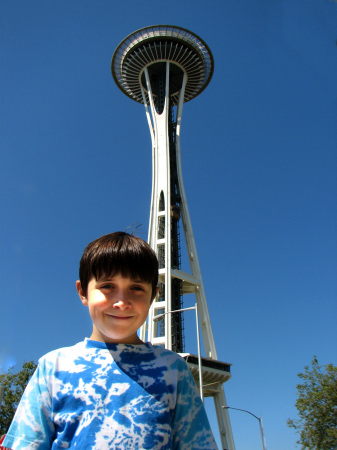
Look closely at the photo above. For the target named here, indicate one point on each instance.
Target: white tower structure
(163, 67)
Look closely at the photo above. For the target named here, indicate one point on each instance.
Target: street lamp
(198, 337)
(264, 446)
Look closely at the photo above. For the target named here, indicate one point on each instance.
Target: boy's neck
(133, 340)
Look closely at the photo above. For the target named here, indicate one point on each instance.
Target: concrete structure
(163, 67)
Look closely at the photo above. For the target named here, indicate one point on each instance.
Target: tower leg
(224, 424)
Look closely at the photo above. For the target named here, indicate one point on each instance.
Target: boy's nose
(121, 303)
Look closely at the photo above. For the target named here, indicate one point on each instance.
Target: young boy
(112, 391)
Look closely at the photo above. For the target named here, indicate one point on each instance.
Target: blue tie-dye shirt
(111, 396)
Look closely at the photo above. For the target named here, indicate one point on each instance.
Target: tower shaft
(164, 234)
(168, 202)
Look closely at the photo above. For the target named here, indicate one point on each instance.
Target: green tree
(317, 407)
(13, 386)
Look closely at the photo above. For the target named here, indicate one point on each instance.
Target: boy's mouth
(119, 317)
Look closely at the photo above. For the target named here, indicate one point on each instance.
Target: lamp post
(159, 316)
(264, 446)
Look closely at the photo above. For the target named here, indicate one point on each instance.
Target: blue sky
(259, 165)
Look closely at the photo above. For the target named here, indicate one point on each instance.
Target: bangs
(128, 263)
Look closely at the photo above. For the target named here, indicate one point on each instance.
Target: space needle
(164, 67)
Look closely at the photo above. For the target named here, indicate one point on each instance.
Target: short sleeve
(32, 426)
(190, 426)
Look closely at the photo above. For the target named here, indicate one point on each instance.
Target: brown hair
(122, 253)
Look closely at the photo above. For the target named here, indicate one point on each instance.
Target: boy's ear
(81, 293)
(155, 295)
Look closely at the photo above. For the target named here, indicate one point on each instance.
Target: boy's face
(118, 306)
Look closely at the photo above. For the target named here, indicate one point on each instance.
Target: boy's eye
(107, 286)
(137, 288)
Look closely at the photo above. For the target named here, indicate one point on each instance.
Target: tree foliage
(13, 384)
(317, 407)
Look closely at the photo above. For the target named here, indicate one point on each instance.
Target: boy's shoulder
(161, 352)
(164, 357)
(64, 351)
(61, 358)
